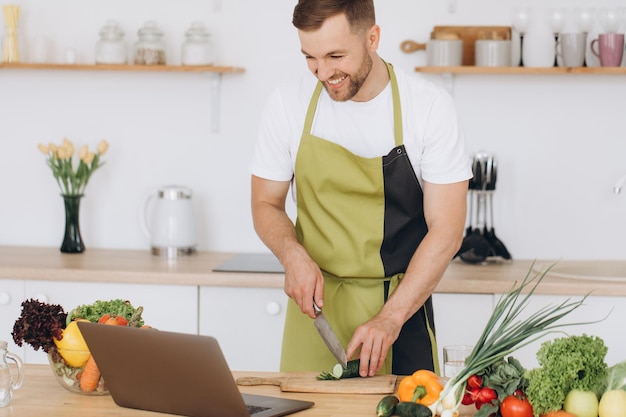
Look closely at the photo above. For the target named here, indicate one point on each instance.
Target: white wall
(559, 139)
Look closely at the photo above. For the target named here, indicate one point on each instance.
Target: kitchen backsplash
(559, 139)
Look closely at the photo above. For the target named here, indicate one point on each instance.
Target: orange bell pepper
(423, 387)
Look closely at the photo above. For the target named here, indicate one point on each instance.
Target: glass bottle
(111, 48)
(150, 47)
(197, 48)
(7, 382)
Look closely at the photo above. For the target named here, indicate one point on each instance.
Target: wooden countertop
(41, 395)
(139, 266)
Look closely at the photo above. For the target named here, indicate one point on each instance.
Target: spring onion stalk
(505, 333)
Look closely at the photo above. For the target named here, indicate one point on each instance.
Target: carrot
(90, 376)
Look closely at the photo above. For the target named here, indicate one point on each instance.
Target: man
(379, 172)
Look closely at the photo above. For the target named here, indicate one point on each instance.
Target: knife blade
(329, 337)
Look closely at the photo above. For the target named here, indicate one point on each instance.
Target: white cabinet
(594, 308)
(166, 307)
(460, 318)
(11, 294)
(248, 324)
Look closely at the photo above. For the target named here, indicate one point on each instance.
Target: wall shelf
(216, 73)
(140, 68)
(523, 70)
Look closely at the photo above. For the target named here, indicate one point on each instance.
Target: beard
(355, 81)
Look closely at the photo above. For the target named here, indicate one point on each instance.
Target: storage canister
(150, 46)
(111, 48)
(197, 48)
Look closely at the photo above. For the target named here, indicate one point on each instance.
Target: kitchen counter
(139, 266)
(41, 395)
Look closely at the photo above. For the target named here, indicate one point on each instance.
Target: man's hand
(304, 282)
(373, 338)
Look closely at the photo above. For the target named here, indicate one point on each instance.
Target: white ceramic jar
(197, 48)
(111, 48)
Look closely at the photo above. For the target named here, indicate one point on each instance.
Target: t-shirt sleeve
(444, 158)
(271, 158)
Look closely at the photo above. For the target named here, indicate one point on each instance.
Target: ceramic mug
(609, 48)
(493, 53)
(444, 52)
(571, 48)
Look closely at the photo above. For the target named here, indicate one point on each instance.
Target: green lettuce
(118, 307)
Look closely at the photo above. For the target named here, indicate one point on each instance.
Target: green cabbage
(572, 362)
(118, 307)
(617, 377)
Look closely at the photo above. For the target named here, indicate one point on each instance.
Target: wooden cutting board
(308, 382)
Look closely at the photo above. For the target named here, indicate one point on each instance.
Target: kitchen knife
(329, 337)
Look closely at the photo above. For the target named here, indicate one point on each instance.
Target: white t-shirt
(433, 138)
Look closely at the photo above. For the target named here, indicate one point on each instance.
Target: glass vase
(72, 240)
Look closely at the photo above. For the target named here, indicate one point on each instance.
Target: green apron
(361, 219)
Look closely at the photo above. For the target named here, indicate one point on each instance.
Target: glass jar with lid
(150, 46)
(197, 48)
(111, 48)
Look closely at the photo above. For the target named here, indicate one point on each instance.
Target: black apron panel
(405, 225)
(413, 348)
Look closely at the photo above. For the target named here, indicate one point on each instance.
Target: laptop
(174, 373)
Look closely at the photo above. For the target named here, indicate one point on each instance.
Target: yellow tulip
(103, 146)
(87, 159)
(83, 152)
(64, 153)
(67, 142)
(52, 147)
(43, 148)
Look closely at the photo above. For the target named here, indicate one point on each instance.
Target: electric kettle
(167, 220)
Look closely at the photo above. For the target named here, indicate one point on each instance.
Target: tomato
(516, 406)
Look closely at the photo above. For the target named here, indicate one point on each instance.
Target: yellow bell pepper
(423, 387)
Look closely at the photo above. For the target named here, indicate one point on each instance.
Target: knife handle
(254, 380)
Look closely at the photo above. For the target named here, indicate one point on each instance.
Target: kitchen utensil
(571, 48)
(497, 246)
(11, 51)
(330, 338)
(168, 222)
(308, 382)
(475, 248)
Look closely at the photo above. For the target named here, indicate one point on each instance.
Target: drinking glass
(557, 19)
(454, 359)
(611, 19)
(584, 20)
(521, 20)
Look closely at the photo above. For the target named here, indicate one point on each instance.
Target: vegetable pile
(48, 327)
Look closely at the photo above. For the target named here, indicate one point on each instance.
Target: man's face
(339, 58)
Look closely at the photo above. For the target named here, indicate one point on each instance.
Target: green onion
(505, 333)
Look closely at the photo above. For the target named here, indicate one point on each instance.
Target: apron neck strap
(395, 94)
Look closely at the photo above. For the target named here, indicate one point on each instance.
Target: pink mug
(611, 49)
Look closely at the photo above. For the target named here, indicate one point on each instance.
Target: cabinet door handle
(273, 308)
(5, 298)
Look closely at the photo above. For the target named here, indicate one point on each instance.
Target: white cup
(444, 52)
(454, 359)
(571, 48)
(493, 53)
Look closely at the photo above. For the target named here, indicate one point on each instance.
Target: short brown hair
(311, 14)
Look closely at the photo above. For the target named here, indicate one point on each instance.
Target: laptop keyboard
(253, 409)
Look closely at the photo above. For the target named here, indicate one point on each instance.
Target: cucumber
(339, 372)
(387, 406)
(410, 409)
(352, 369)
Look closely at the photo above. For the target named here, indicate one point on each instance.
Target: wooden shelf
(523, 70)
(141, 68)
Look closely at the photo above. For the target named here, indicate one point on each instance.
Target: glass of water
(454, 359)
